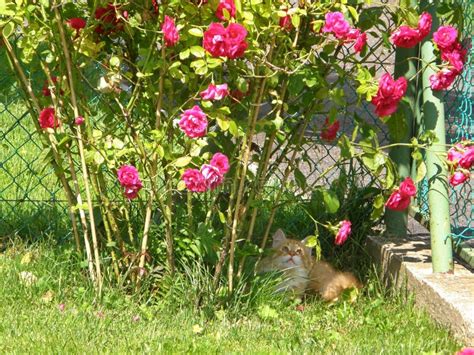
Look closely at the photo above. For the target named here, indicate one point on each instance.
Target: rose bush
(185, 89)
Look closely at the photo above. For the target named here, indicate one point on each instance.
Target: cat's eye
(299, 251)
(285, 250)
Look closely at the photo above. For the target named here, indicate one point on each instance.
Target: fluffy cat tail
(340, 282)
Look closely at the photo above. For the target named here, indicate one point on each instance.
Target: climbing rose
(79, 120)
(407, 188)
(221, 162)
(467, 160)
(397, 201)
(194, 180)
(227, 5)
(170, 32)
(361, 41)
(456, 57)
(336, 23)
(77, 24)
(193, 122)
(235, 44)
(455, 153)
(212, 176)
(458, 178)
(389, 94)
(215, 92)
(132, 192)
(424, 24)
(214, 40)
(343, 232)
(128, 178)
(285, 22)
(443, 79)
(329, 131)
(466, 351)
(405, 37)
(445, 37)
(408, 37)
(47, 118)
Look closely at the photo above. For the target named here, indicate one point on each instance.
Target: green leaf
(347, 150)
(196, 32)
(184, 54)
(198, 51)
(378, 209)
(182, 161)
(420, 171)
(300, 179)
(331, 201)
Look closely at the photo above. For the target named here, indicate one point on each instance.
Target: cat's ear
(308, 250)
(278, 238)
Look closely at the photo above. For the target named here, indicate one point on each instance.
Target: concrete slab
(406, 262)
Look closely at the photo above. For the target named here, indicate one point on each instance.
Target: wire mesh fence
(32, 201)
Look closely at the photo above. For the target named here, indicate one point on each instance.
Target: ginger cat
(302, 273)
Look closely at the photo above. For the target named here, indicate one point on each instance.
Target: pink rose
(360, 43)
(389, 94)
(215, 92)
(336, 23)
(445, 37)
(194, 180)
(456, 57)
(235, 44)
(221, 162)
(214, 40)
(170, 32)
(79, 120)
(466, 351)
(424, 24)
(405, 37)
(285, 22)
(212, 176)
(455, 153)
(343, 232)
(329, 131)
(193, 122)
(132, 191)
(443, 79)
(47, 118)
(397, 202)
(227, 5)
(467, 160)
(128, 176)
(458, 178)
(407, 188)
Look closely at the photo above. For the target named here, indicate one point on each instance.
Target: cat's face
(290, 253)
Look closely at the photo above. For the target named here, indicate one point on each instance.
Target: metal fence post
(438, 196)
(396, 221)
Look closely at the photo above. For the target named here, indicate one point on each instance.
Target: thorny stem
(246, 147)
(34, 105)
(259, 183)
(85, 173)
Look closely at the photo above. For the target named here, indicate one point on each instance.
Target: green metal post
(438, 197)
(396, 221)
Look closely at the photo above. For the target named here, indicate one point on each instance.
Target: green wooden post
(438, 195)
(396, 221)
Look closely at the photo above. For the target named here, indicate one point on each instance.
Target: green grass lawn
(31, 321)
